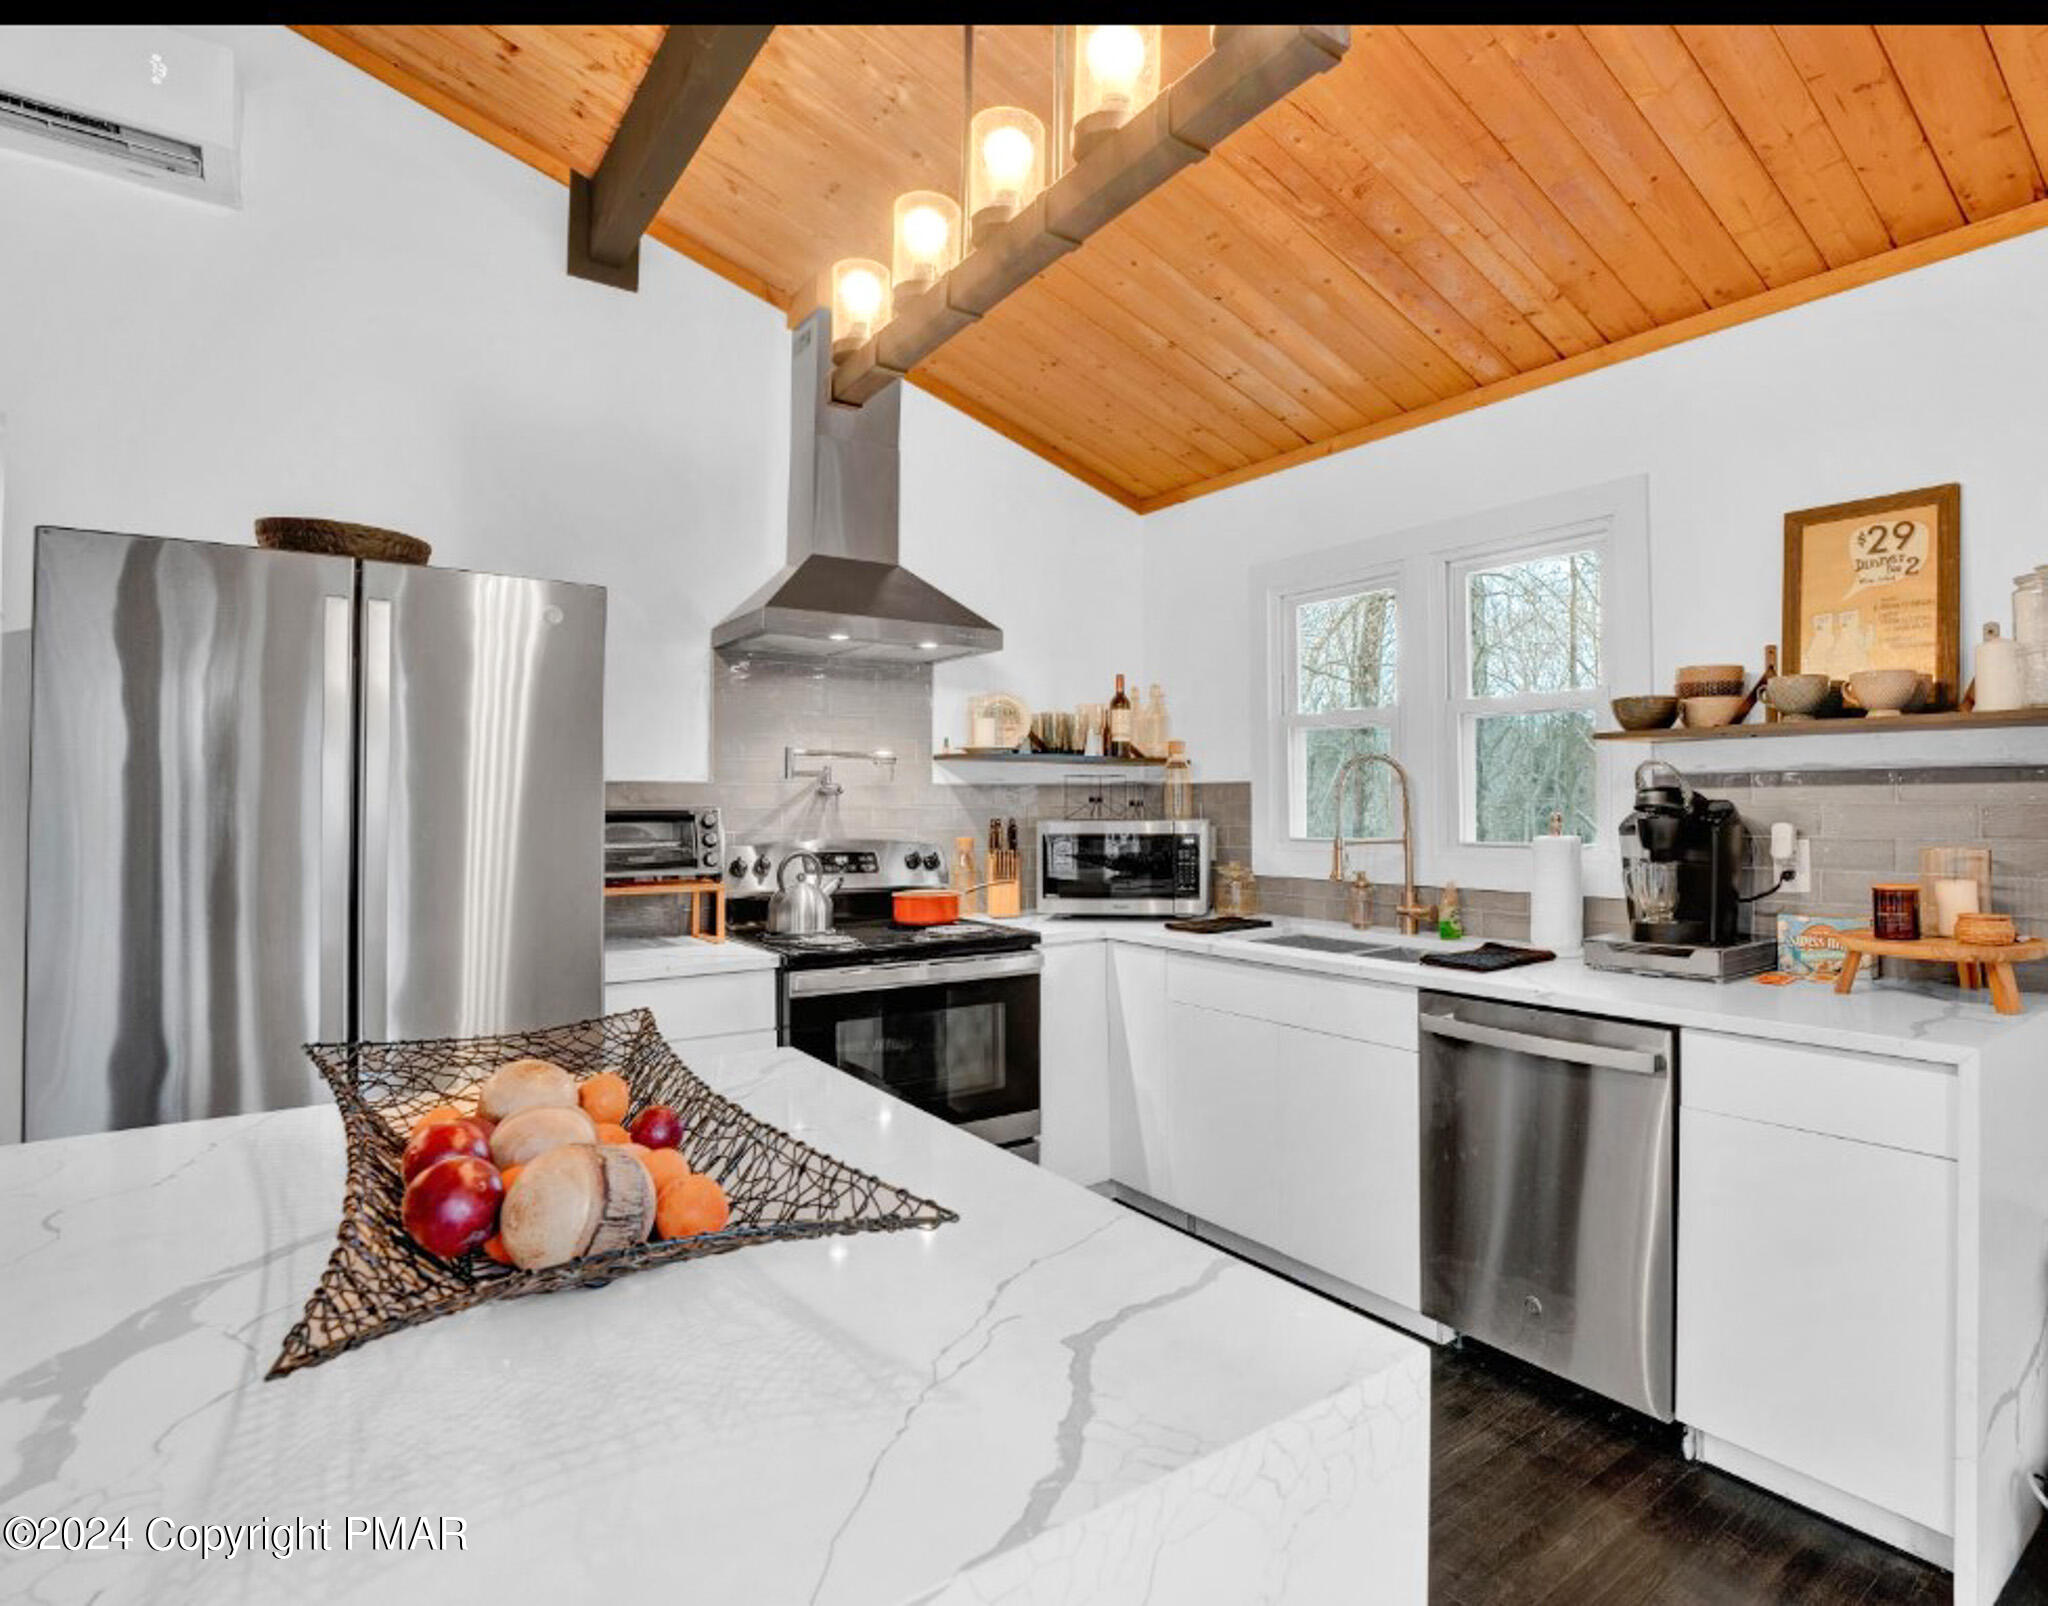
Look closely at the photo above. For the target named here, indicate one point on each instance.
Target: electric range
(944, 1017)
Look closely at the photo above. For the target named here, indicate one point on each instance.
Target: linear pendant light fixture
(1125, 146)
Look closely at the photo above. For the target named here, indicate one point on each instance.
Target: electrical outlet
(1802, 869)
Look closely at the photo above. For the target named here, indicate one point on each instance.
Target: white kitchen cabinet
(1301, 1141)
(722, 1013)
(1136, 979)
(1073, 1062)
(1816, 1307)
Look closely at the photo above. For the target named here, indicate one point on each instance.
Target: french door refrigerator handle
(337, 769)
(1640, 1061)
(374, 947)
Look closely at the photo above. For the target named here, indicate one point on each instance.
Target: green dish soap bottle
(1450, 922)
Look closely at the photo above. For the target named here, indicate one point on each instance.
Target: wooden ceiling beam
(1250, 68)
(687, 84)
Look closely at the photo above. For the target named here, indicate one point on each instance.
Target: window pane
(1536, 625)
(1344, 650)
(1529, 766)
(1324, 752)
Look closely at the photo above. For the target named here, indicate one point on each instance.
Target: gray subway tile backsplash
(1865, 824)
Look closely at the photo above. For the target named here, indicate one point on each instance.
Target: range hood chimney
(843, 594)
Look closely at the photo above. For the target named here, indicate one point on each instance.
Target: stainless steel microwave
(1123, 867)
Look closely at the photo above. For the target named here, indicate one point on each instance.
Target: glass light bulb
(925, 231)
(1116, 55)
(1009, 153)
(860, 292)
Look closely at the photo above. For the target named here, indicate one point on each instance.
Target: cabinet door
(1225, 1123)
(1355, 1138)
(1816, 1307)
(1137, 1065)
(1300, 1141)
(690, 1007)
(1073, 1061)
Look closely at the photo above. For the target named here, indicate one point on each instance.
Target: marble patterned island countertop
(1051, 1400)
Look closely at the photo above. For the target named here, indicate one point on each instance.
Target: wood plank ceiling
(1455, 214)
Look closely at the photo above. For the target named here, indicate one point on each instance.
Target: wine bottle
(1118, 734)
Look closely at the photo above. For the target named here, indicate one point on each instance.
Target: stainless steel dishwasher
(1547, 1155)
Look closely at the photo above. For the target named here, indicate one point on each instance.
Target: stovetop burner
(864, 942)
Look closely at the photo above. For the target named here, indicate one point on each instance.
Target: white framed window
(1508, 628)
(1526, 688)
(1340, 690)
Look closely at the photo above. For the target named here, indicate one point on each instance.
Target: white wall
(384, 332)
(1056, 564)
(1931, 376)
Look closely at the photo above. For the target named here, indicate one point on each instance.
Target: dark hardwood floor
(1543, 1493)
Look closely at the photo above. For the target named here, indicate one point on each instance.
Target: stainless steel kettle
(800, 910)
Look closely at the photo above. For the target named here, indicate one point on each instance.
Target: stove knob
(739, 868)
(710, 819)
(931, 861)
(911, 861)
(762, 867)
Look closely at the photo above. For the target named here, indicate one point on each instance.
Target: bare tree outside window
(1346, 649)
(1534, 628)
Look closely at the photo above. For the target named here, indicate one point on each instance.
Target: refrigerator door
(189, 888)
(482, 814)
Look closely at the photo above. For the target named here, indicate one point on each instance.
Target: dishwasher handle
(1642, 1062)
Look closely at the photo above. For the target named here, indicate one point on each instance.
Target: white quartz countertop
(660, 958)
(1907, 1020)
(1053, 1399)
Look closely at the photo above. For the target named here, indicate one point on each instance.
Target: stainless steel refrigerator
(277, 798)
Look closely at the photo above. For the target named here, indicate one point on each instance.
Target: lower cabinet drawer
(1816, 1307)
(1902, 1104)
(1340, 1006)
(701, 1006)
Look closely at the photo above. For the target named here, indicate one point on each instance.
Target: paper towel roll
(1557, 908)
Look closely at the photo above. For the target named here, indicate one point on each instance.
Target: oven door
(958, 1038)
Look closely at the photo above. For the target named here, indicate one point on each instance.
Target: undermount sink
(1356, 947)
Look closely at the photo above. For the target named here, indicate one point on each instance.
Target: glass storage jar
(1237, 890)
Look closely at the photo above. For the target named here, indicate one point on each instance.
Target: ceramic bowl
(1649, 713)
(1710, 680)
(1706, 712)
(1883, 692)
(1797, 696)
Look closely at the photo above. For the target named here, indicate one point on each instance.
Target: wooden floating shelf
(1835, 727)
(1048, 768)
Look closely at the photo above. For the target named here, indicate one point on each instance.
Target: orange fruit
(690, 1205)
(505, 1176)
(438, 1115)
(611, 1132)
(494, 1246)
(604, 1097)
(664, 1165)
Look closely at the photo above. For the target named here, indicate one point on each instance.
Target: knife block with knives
(1005, 894)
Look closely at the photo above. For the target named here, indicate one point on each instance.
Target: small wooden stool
(1975, 962)
(705, 928)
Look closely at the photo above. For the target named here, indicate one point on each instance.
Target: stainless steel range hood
(842, 593)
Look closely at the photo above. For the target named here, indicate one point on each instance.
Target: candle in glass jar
(1953, 895)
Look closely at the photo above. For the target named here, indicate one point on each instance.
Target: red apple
(656, 1127)
(452, 1206)
(442, 1139)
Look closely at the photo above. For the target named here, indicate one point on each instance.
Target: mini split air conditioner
(147, 103)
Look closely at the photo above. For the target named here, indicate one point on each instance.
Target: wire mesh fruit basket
(378, 1280)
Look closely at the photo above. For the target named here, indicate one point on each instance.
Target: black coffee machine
(1681, 862)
